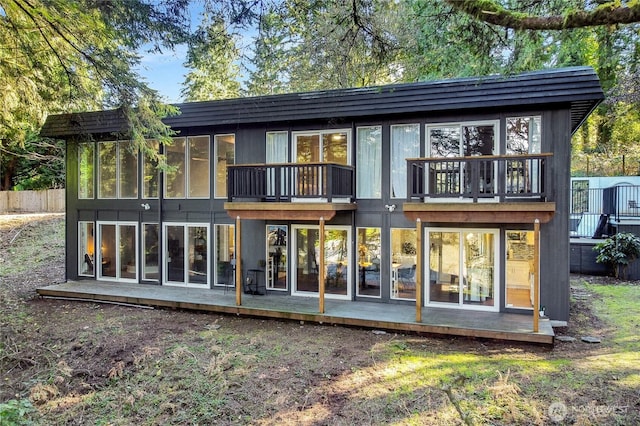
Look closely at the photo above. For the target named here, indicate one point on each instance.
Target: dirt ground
(58, 352)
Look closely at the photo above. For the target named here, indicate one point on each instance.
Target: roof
(577, 87)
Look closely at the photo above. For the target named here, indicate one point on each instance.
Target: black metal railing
(505, 177)
(593, 208)
(284, 182)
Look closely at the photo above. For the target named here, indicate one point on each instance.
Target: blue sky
(165, 72)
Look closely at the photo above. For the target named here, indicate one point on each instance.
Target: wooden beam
(536, 275)
(419, 267)
(480, 212)
(321, 268)
(286, 211)
(238, 263)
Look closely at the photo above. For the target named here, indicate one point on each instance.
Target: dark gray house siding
(562, 98)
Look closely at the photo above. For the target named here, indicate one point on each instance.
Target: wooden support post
(418, 274)
(536, 275)
(238, 263)
(321, 267)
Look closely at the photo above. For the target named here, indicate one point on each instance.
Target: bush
(619, 251)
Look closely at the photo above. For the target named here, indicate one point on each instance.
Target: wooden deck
(396, 317)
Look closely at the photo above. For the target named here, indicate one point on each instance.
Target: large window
(118, 170)
(150, 171)
(187, 254)
(150, 249)
(86, 249)
(403, 263)
(117, 257)
(225, 255)
(405, 143)
(86, 158)
(523, 137)
(277, 152)
(368, 278)
(188, 168)
(462, 140)
(369, 161)
(225, 149)
(462, 268)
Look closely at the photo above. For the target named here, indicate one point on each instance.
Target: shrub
(619, 251)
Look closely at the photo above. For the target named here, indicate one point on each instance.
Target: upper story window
(524, 135)
(330, 146)
(405, 143)
(462, 139)
(150, 171)
(86, 159)
(188, 167)
(117, 170)
(277, 147)
(369, 161)
(225, 152)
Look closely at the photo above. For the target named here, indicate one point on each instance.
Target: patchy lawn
(64, 362)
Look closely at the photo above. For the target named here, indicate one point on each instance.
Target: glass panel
(151, 258)
(369, 161)
(128, 171)
(403, 263)
(86, 249)
(198, 255)
(520, 259)
(277, 147)
(175, 183)
(199, 167)
(335, 148)
(369, 262)
(478, 140)
(225, 250)
(444, 267)
(226, 156)
(307, 149)
(444, 141)
(108, 251)
(523, 137)
(107, 166)
(85, 170)
(277, 263)
(307, 241)
(150, 170)
(478, 274)
(175, 253)
(128, 264)
(336, 261)
(405, 143)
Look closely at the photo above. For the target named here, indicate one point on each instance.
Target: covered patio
(384, 316)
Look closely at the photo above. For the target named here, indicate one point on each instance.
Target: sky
(165, 72)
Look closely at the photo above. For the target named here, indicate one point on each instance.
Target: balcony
(289, 190)
(489, 189)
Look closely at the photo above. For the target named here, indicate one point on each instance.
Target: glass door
(277, 261)
(186, 255)
(117, 257)
(337, 255)
(462, 267)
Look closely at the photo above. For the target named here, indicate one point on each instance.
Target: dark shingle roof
(579, 87)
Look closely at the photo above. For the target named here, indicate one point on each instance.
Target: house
(420, 194)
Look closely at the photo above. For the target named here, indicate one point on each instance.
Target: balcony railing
(286, 182)
(501, 177)
(593, 208)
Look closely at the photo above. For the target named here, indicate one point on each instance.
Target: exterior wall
(250, 148)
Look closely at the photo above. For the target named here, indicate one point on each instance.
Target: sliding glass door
(186, 248)
(462, 268)
(117, 258)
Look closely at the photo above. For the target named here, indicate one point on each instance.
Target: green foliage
(15, 412)
(619, 251)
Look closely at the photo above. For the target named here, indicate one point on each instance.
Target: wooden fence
(46, 201)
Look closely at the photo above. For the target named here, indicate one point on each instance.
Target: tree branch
(490, 11)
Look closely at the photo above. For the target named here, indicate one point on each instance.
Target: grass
(80, 363)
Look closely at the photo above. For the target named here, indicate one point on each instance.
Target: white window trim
(293, 266)
(460, 124)
(391, 196)
(143, 164)
(186, 171)
(118, 196)
(381, 161)
(98, 257)
(215, 253)
(165, 257)
(93, 174)
(497, 264)
(267, 258)
(143, 253)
